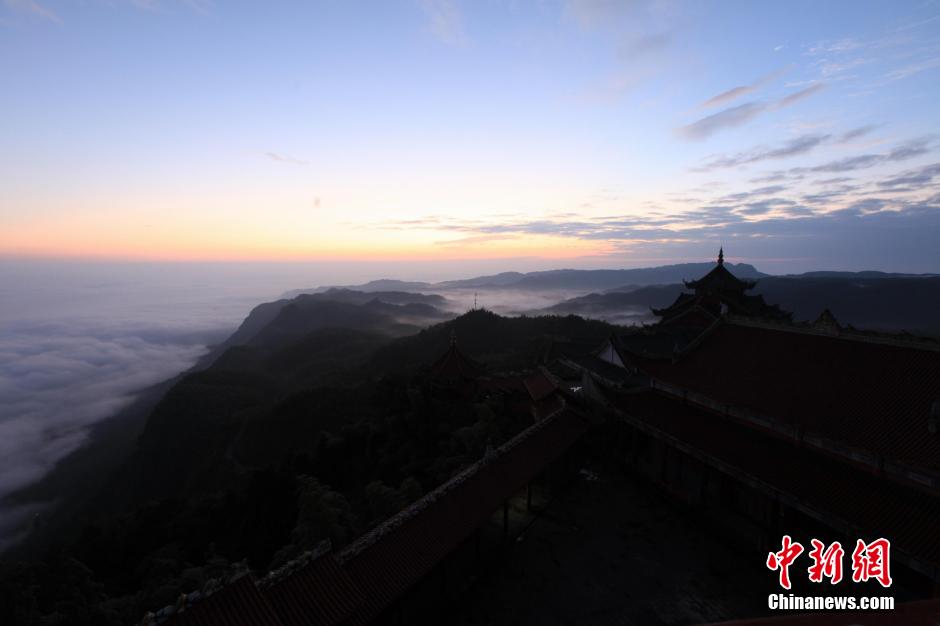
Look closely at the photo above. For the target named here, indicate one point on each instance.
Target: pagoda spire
(721, 255)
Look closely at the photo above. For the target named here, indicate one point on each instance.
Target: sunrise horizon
(575, 131)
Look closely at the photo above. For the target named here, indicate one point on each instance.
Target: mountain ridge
(590, 279)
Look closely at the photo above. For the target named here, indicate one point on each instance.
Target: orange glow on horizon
(266, 249)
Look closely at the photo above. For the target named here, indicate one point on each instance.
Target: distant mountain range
(588, 280)
(866, 299)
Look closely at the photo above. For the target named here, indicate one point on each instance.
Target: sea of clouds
(79, 341)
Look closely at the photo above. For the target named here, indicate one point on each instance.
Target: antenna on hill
(474, 301)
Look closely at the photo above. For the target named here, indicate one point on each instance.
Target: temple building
(531, 392)
(454, 368)
(714, 294)
(765, 426)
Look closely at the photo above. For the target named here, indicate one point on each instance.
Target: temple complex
(753, 425)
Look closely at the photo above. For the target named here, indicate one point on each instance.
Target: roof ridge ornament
(721, 255)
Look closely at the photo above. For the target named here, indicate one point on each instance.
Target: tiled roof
(455, 366)
(923, 613)
(607, 371)
(869, 394)
(392, 557)
(238, 602)
(720, 279)
(539, 385)
(319, 592)
(806, 479)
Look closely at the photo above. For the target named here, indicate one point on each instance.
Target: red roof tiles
(868, 394)
(238, 602)
(808, 479)
(539, 385)
(455, 366)
(319, 593)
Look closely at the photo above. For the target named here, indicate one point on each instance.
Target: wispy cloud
(728, 118)
(197, 6)
(914, 68)
(444, 21)
(741, 90)
(919, 177)
(281, 158)
(741, 114)
(837, 46)
(831, 69)
(794, 147)
(33, 8)
(856, 133)
(902, 152)
(642, 32)
(645, 43)
(793, 98)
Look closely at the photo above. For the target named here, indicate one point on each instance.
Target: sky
(581, 133)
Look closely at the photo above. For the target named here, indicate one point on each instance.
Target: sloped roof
(321, 592)
(453, 365)
(391, 558)
(720, 279)
(238, 602)
(539, 385)
(607, 371)
(866, 393)
(809, 478)
(709, 305)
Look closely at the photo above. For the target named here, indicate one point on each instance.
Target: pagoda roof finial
(721, 255)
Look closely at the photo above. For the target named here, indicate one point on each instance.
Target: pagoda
(717, 293)
(454, 368)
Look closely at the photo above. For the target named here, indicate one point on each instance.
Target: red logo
(869, 561)
(782, 560)
(872, 560)
(826, 563)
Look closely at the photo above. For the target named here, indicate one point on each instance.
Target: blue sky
(591, 133)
